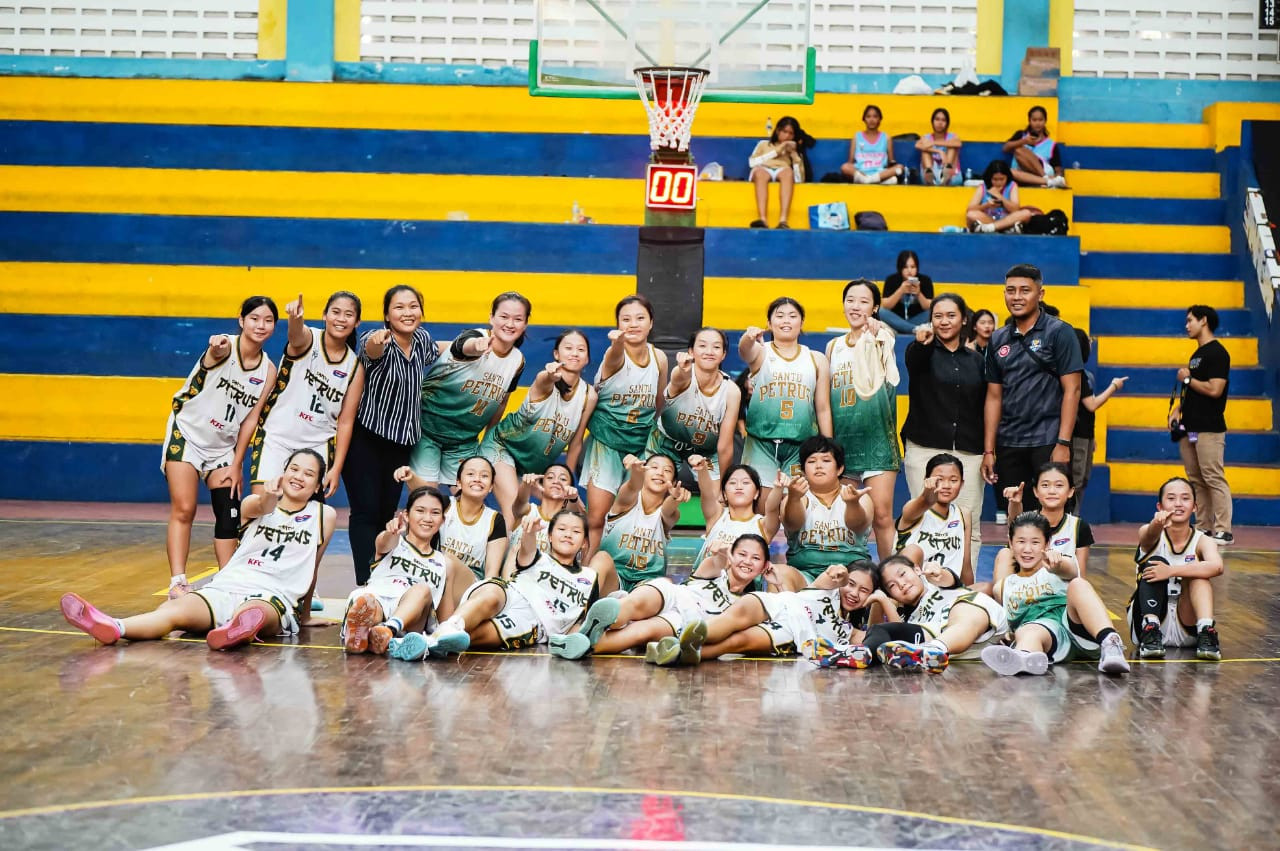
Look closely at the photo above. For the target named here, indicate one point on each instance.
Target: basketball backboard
(756, 50)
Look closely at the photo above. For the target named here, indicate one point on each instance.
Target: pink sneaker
(241, 629)
(83, 616)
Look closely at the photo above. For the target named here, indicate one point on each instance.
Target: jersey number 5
(786, 409)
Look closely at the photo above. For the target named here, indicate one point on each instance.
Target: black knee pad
(226, 514)
(1151, 598)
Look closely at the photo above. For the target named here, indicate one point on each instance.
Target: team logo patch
(253, 380)
(583, 580)
(1003, 352)
(1035, 345)
(302, 518)
(1060, 541)
(337, 373)
(1188, 559)
(953, 524)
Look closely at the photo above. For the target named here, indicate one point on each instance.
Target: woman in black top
(388, 423)
(907, 295)
(947, 392)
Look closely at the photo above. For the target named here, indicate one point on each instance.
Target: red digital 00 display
(671, 187)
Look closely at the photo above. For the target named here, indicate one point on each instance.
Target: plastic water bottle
(968, 174)
(576, 215)
(768, 126)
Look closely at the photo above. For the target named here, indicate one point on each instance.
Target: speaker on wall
(669, 270)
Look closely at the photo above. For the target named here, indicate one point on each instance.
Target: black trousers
(883, 632)
(373, 492)
(1015, 465)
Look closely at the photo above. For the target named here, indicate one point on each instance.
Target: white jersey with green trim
(729, 530)
(468, 542)
(557, 594)
(713, 596)
(214, 400)
(276, 556)
(782, 396)
(406, 566)
(1065, 538)
(302, 408)
(692, 419)
(940, 538)
(933, 609)
(1176, 558)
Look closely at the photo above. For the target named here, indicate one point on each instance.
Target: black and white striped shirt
(392, 400)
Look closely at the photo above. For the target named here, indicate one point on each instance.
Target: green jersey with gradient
(460, 397)
(864, 402)
(690, 423)
(782, 397)
(824, 539)
(637, 543)
(627, 404)
(539, 430)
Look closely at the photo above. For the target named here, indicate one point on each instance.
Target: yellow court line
(560, 790)
(191, 580)
(518, 655)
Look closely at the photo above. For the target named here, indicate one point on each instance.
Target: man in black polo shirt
(1203, 414)
(1033, 371)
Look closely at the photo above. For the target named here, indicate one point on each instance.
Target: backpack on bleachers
(1052, 223)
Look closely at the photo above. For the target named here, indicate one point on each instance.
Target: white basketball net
(670, 97)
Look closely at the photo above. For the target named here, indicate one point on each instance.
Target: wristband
(1062, 442)
(177, 579)
(988, 452)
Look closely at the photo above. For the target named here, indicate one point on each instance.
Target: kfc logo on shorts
(1003, 352)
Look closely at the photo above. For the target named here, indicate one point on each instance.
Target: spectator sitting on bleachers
(907, 295)
(779, 158)
(1037, 160)
(871, 153)
(940, 152)
(994, 206)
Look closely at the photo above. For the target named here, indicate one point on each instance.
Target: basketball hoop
(670, 96)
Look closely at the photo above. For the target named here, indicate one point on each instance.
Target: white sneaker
(987, 227)
(1010, 661)
(1112, 660)
(1057, 182)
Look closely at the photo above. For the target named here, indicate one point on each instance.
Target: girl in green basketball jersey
(467, 389)
(700, 407)
(790, 394)
(864, 404)
(628, 383)
(549, 421)
(638, 527)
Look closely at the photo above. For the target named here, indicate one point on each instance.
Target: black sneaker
(1224, 539)
(1151, 641)
(1207, 645)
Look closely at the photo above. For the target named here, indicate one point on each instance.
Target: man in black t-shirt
(1202, 412)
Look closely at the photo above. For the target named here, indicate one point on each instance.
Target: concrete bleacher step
(1146, 412)
(1160, 266)
(1166, 238)
(1138, 507)
(1139, 136)
(1148, 293)
(1145, 380)
(1169, 351)
(1163, 322)
(1260, 448)
(1166, 211)
(1246, 480)
(1144, 184)
(436, 197)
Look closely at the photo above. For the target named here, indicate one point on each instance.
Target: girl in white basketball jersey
(1068, 534)
(549, 594)
(412, 580)
(933, 531)
(313, 403)
(550, 420)
(1173, 604)
(473, 533)
(700, 406)
(209, 432)
(661, 608)
(1054, 613)
(790, 399)
(628, 385)
(266, 586)
(556, 492)
(730, 509)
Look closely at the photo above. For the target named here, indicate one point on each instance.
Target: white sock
(1151, 619)
(119, 625)
(859, 177)
(937, 644)
(1203, 623)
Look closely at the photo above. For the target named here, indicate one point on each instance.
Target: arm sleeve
(1066, 350)
(1215, 363)
(499, 530)
(1084, 535)
(455, 348)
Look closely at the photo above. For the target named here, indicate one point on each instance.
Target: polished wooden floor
(166, 744)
